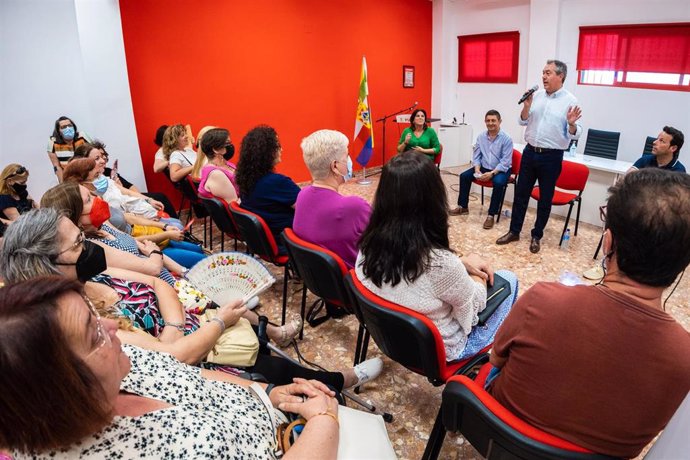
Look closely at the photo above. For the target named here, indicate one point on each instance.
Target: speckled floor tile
(410, 398)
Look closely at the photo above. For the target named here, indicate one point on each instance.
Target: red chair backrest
(458, 403)
(322, 270)
(517, 159)
(255, 232)
(573, 176)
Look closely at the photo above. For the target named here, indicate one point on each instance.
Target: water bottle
(566, 240)
(572, 150)
(506, 212)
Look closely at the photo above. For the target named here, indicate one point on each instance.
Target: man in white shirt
(551, 118)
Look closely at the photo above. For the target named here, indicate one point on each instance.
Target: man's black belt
(543, 150)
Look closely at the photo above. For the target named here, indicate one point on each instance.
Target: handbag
(362, 435)
(495, 295)
(237, 346)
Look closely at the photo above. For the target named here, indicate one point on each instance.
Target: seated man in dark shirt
(605, 366)
(665, 152)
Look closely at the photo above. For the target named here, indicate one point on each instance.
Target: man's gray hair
(320, 149)
(561, 67)
(30, 246)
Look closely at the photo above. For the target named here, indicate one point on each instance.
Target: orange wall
(292, 64)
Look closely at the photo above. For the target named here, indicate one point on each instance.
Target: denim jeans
(500, 182)
(542, 167)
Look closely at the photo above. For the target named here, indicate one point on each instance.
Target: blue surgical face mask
(101, 184)
(67, 133)
(348, 176)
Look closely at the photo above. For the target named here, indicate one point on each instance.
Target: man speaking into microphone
(551, 116)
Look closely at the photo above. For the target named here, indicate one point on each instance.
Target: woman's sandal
(289, 331)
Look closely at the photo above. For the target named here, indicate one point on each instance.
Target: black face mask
(90, 263)
(229, 151)
(20, 190)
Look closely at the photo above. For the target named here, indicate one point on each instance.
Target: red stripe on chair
(315, 247)
(275, 258)
(559, 198)
(514, 422)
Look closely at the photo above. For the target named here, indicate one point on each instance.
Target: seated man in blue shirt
(665, 152)
(491, 161)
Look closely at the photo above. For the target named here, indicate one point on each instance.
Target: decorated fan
(230, 275)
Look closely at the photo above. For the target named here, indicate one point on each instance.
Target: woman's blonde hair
(170, 139)
(320, 149)
(201, 159)
(9, 174)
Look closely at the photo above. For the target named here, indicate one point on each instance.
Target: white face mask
(346, 177)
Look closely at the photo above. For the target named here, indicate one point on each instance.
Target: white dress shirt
(547, 122)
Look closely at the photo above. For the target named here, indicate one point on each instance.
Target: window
(489, 58)
(655, 56)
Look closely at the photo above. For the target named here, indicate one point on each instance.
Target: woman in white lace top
(405, 257)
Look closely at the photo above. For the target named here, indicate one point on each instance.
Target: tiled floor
(411, 399)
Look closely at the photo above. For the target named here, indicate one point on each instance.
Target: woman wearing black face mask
(14, 198)
(218, 176)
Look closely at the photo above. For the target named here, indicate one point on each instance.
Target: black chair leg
(438, 434)
(503, 198)
(567, 221)
(601, 241)
(205, 236)
(303, 310)
(577, 219)
(286, 277)
(482, 194)
(363, 352)
(358, 346)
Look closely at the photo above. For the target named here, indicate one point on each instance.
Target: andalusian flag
(364, 134)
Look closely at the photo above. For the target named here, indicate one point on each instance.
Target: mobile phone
(113, 171)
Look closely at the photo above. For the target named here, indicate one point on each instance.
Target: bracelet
(178, 326)
(330, 414)
(165, 227)
(155, 251)
(220, 322)
(269, 388)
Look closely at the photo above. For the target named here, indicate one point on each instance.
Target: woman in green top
(419, 136)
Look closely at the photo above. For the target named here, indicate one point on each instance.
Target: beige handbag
(238, 346)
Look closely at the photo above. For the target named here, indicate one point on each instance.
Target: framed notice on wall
(408, 76)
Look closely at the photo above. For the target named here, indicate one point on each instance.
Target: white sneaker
(595, 273)
(368, 370)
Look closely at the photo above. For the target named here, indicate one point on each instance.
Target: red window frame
(489, 58)
(652, 48)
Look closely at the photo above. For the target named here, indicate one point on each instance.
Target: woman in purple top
(218, 176)
(323, 216)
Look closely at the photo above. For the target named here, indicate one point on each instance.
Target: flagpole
(364, 180)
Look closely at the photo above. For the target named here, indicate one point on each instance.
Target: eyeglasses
(76, 244)
(20, 170)
(102, 337)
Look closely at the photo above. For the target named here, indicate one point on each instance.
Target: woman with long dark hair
(262, 190)
(405, 257)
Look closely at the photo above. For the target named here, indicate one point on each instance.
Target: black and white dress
(208, 419)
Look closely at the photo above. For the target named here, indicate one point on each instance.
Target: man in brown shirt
(604, 366)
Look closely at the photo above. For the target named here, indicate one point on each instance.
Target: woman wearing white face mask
(323, 216)
(62, 143)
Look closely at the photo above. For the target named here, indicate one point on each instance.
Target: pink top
(328, 219)
(206, 170)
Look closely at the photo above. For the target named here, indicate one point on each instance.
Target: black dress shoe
(508, 238)
(534, 246)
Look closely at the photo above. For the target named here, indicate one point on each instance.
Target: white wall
(63, 57)
(549, 28)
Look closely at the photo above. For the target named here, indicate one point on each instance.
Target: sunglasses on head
(20, 170)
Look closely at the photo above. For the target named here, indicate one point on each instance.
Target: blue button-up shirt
(493, 154)
(547, 122)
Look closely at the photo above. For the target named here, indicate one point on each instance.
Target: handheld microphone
(415, 105)
(527, 94)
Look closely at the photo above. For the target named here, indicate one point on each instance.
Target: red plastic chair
(494, 431)
(514, 170)
(219, 211)
(573, 177)
(260, 241)
(411, 339)
(437, 158)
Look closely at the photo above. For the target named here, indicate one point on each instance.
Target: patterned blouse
(139, 304)
(208, 419)
(125, 242)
